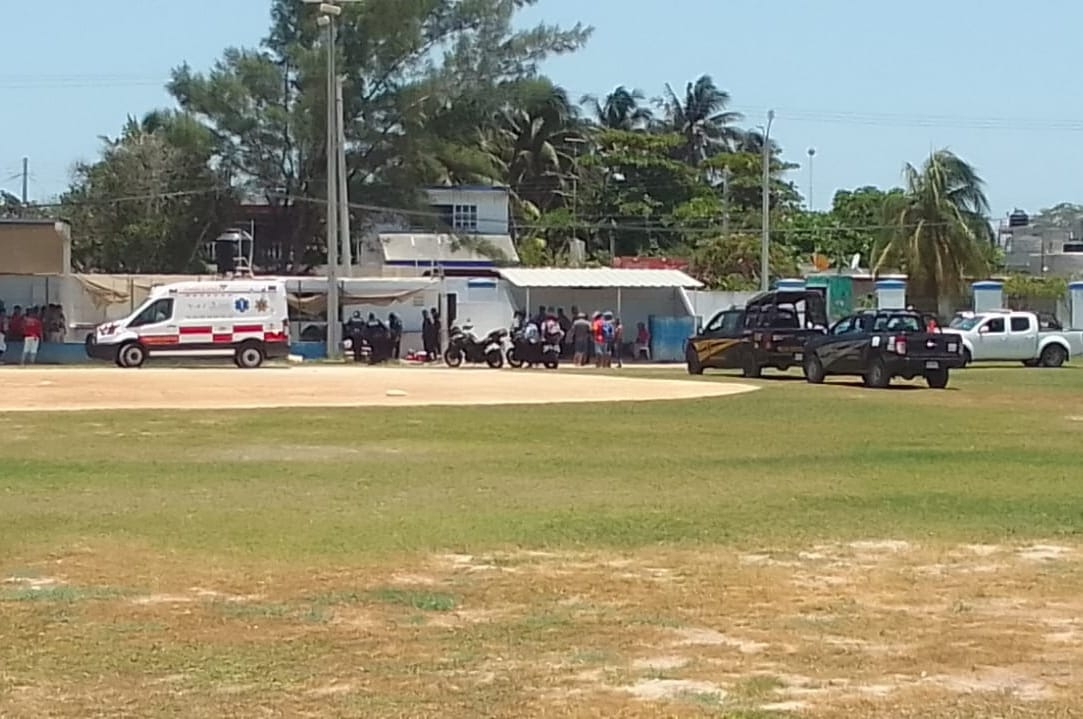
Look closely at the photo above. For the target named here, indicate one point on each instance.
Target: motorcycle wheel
(513, 360)
(494, 359)
(453, 357)
(552, 363)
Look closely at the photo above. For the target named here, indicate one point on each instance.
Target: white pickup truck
(1006, 335)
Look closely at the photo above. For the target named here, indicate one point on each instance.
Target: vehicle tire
(967, 357)
(249, 355)
(1030, 363)
(1053, 356)
(750, 368)
(814, 369)
(876, 375)
(551, 364)
(513, 360)
(494, 359)
(453, 357)
(131, 355)
(937, 379)
(692, 360)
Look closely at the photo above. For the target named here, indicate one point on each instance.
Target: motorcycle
(523, 352)
(464, 346)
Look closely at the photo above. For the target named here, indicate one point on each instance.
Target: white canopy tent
(601, 285)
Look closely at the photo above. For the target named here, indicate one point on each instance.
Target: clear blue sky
(869, 85)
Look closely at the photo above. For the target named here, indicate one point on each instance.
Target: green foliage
(733, 263)
(1028, 287)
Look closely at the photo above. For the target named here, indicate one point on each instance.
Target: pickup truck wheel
(1053, 356)
(937, 379)
(814, 369)
(692, 360)
(876, 375)
(750, 368)
(967, 358)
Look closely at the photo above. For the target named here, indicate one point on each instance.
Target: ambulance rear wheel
(249, 355)
(131, 355)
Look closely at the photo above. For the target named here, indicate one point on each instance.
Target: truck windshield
(965, 323)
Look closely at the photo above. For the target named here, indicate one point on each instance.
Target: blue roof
(988, 285)
(890, 285)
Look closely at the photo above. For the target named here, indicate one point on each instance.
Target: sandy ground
(38, 389)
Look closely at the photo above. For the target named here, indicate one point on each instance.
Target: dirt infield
(41, 389)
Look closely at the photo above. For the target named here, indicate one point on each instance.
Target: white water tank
(1075, 302)
(790, 285)
(988, 295)
(890, 294)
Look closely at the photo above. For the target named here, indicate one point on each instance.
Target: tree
(421, 79)
(733, 263)
(151, 201)
(939, 228)
(702, 119)
(621, 110)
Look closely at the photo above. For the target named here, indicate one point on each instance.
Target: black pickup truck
(770, 331)
(881, 345)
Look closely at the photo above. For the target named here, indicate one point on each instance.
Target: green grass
(997, 456)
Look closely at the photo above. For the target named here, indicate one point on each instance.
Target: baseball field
(369, 542)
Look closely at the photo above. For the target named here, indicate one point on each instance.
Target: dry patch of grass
(861, 629)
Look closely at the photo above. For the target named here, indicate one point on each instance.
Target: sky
(868, 85)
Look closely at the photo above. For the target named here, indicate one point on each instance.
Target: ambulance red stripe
(195, 330)
(220, 339)
(247, 328)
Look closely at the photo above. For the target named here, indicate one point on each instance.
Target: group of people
(384, 339)
(32, 327)
(598, 339)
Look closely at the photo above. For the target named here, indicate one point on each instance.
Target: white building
(467, 231)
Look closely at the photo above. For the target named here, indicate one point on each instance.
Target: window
(728, 321)
(843, 326)
(1020, 324)
(159, 311)
(464, 217)
(897, 323)
(994, 326)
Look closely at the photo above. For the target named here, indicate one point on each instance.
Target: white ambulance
(244, 319)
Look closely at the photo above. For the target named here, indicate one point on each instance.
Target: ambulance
(247, 320)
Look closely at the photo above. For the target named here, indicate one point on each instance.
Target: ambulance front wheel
(249, 355)
(131, 355)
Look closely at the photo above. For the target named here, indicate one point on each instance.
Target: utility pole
(765, 246)
(26, 185)
(811, 154)
(343, 187)
(327, 21)
(726, 202)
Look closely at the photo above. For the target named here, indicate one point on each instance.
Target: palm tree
(938, 229)
(620, 110)
(701, 117)
(532, 144)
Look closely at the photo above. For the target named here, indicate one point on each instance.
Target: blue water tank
(669, 335)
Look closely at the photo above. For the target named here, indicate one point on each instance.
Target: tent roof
(598, 278)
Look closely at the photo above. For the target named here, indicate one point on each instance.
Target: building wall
(35, 248)
(489, 213)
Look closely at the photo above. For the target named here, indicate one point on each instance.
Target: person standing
(32, 333)
(426, 336)
(394, 325)
(437, 344)
(580, 340)
(596, 327)
(565, 323)
(618, 342)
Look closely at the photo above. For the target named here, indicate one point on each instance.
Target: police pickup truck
(879, 345)
(770, 331)
(1006, 335)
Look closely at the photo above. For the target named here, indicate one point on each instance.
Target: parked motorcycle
(463, 345)
(526, 353)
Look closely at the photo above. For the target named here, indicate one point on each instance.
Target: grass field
(825, 551)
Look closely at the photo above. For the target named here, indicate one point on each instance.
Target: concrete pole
(333, 325)
(343, 188)
(765, 245)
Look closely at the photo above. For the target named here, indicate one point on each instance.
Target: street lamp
(766, 241)
(330, 10)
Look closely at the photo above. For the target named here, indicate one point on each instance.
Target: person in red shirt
(32, 333)
(15, 325)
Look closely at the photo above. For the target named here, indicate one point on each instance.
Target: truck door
(992, 340)
(1022, 338)
(156, 325)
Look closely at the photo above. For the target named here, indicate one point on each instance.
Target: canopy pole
(619, 313)
(528, 305)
